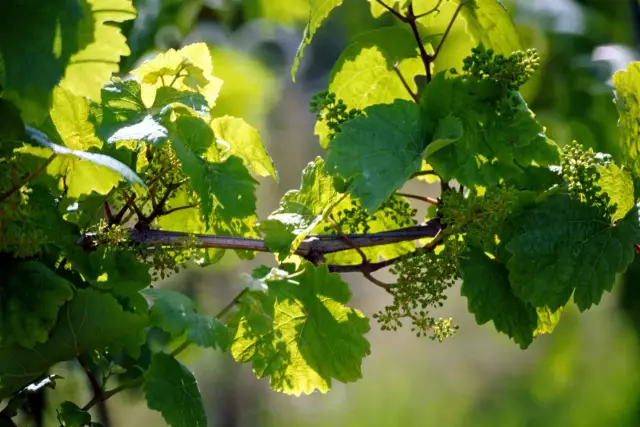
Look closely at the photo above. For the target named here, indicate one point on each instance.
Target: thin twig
(429, 12)
(231, 304)
(107, 211)
(406, 86)
(383, 285)
(175, 78)
(95, 386)
(393, 11)
(336, 227)
(10, 192)
(365, 261)
(426, 58)
(429, 200)
(158, 210)
(130, 199)
(446, 32)
(179, 208)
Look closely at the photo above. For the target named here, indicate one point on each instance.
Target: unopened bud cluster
(422, 282)
(579, 171)
(332, 111)
(513, 70)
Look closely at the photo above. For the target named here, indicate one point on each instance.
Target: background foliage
(254, 42)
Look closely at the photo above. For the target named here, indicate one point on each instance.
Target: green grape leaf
(618, 184)
(171, 389)
(102, 45)
(319, 12)
(71, 415)
(175, 313)
(189, 69)
(300, 333)
(31, 296)
(627, 91)
(364, 74)
(490, 24)
(240, 227)
(379, 152)
(485, 283)
(118, 271)
(244, 141)
(43, 226)
(564, 247)
(278, 234)
(11, 125)
(448, 131)
(123, 116)
(547, 320)
(228, 181)
(91, 320)
(70, 114)
(169, 95)
(84, 171)
(300, 210)
(69, 43)
(500, 137)
(234, 188)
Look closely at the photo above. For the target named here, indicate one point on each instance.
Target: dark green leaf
(176, 314)
(563, 247)
(379, 152)
(172, 390)
(228, 181)
(11, 125)
(91, 320)
(72, 416)
(499, 136)
(30, 297)
(485, 283)
(123, 115)
(169, 95)
(448, 131)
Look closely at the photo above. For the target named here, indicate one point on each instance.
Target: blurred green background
(584, 374)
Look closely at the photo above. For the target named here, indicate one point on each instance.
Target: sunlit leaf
(300, 333)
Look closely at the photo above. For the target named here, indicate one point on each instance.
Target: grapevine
(109, 184)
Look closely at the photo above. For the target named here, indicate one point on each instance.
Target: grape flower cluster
(332, 111)
(513, 70)
(422, 280)
(578, 168)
